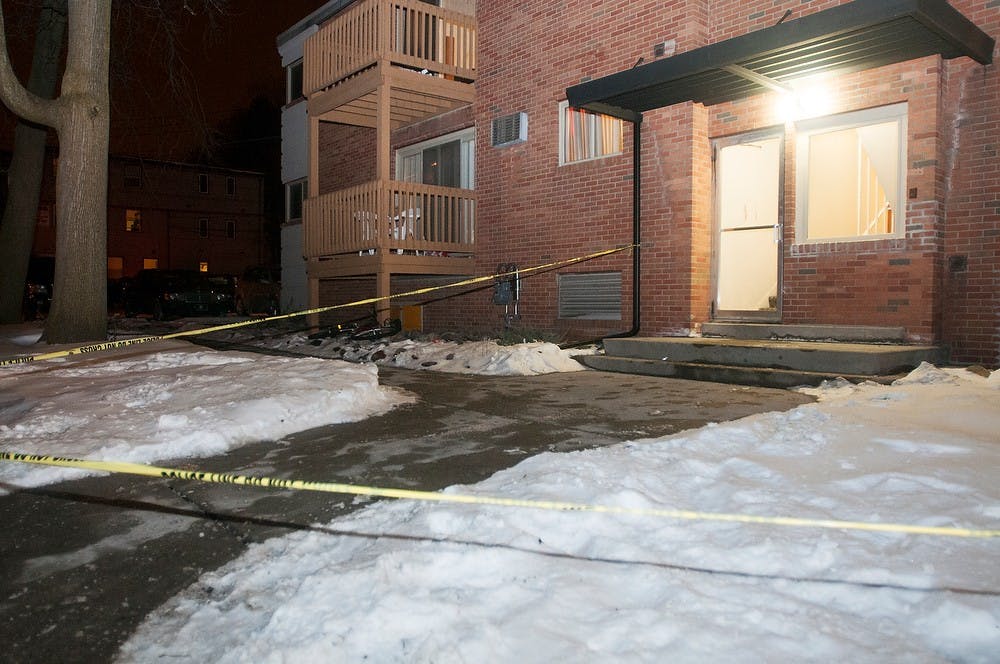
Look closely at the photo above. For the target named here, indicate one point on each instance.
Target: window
(203, 228)
(295, 193)
(446, 161)
(584, 135)
(203, 266)
(133, 175)
(150, 263)
(590, 296)
(230, 229)
(230, 186)
(116, 267)
(851, 175)
(133, 221)
(203, 183)
(293, 82)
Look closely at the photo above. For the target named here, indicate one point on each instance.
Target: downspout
(636, 228)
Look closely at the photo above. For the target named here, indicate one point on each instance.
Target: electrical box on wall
(664, 48)
(506, 286)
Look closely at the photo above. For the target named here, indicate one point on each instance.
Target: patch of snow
(422, 582)
(172, 400)
(405, 581)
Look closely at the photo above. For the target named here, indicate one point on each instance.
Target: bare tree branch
(17, 97)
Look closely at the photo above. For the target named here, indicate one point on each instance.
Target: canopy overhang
(859, 35)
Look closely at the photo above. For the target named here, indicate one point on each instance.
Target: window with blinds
(584, 135)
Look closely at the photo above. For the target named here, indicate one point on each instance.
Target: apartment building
(820, 163)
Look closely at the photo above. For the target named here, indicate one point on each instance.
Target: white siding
(294, 143)
(294, 285)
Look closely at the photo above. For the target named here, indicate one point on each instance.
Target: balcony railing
(385, 217)
(405, 32)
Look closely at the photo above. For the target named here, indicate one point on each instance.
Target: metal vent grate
(510, 129)
(590, 296)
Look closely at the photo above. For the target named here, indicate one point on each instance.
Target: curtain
(590, 135)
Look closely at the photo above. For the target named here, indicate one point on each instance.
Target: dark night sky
(227, 67)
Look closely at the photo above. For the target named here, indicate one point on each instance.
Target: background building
(172, 216)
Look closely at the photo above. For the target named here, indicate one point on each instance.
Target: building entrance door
(748, 211)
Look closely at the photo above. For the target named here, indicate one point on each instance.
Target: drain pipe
(636, 227)
(636, 241)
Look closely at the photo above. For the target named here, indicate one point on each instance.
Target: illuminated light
(808, 99)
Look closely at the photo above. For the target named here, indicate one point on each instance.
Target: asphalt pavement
(84, 561)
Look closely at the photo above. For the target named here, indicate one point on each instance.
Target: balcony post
(383, 280)
(313, 319)
(313, 183)
(383, 129)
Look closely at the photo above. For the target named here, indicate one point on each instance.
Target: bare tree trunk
(79, 305)
(17, 229)
(80, 116)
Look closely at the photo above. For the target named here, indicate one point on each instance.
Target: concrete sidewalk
(85, 561)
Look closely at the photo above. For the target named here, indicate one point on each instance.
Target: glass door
(749, 224)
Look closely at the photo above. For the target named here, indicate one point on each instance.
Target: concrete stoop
(770, 362)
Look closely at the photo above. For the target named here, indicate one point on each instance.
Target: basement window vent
(590, 296)
(510, 129)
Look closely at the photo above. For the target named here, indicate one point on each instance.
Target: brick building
(172, 216)
(824, 163)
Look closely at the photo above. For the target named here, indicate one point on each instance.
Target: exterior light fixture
(805, 99)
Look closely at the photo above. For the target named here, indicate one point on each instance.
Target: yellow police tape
(432, 496)
(111, 345)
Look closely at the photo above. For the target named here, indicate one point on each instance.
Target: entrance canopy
(859, 35)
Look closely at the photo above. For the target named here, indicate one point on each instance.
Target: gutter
(636, 230)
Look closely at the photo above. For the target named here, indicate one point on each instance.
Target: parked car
(168, 293)
(38, 287)
(258, 291)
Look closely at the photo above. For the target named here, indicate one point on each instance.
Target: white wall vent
(590, 296)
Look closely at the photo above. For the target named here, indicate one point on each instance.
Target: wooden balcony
(386, 64)
(423, 55)
(388, 225)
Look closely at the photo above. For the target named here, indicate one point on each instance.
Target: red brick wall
(442, 310)
(952, 106)
(971, 270)
(532, 210)
(891, 282)
(939, 281)
(732, 19)
(531, 52)
(346, 156)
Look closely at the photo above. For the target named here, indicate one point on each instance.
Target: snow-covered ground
(432, 582)
(169, 399)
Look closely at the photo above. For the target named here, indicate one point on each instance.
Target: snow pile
(427, 582)
(169, 400)
(483, 357)
(478, 357)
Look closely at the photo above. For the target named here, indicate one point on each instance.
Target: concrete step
(777, 331)
(821, 358)
(720, 373)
